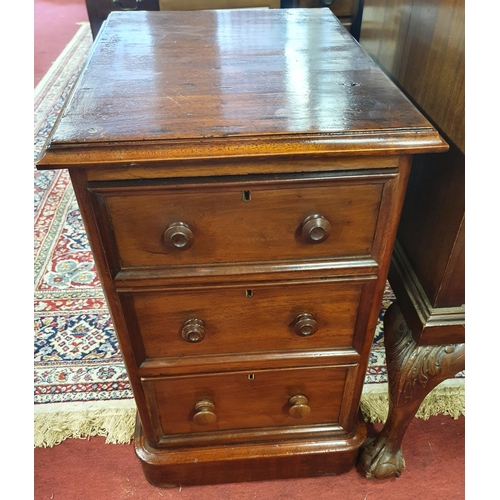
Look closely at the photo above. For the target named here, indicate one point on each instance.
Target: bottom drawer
(206, 406)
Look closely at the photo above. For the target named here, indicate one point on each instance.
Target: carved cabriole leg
(413, 371)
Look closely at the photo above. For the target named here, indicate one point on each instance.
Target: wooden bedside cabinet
(241, 176)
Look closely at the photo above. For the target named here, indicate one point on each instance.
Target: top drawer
(176, 223)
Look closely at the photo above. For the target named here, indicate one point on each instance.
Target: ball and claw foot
(380, 462)
(413, 371)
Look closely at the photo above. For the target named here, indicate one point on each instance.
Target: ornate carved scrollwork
(413, 371)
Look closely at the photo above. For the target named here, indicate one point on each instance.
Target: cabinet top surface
(158, 77)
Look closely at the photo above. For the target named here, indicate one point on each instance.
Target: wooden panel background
(421, 44)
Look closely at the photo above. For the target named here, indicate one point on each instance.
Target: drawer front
(249, 400)
(209, 224)
(251, 318)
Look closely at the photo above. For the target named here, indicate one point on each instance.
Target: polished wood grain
(144, 217)
(260, 399)
(253, 165)
(222, 464)
(434, 213)
(218, 105)
(262, 318)
(429, 324)
(384, 31)
(421, 44)
(441, 94)
(241, 176)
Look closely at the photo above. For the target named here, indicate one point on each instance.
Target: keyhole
(247, 196)
(251, 376)
(249, 294)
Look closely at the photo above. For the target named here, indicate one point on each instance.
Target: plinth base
(248, 461)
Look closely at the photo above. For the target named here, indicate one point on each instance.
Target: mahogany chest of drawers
(240, 175)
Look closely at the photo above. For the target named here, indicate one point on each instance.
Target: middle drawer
(247, 318)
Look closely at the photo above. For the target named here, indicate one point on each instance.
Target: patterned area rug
(81, 386)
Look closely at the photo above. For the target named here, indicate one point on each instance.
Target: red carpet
(92, 470)
(55, 23)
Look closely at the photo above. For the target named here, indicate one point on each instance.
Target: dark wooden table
(241, 176)
(422, 47)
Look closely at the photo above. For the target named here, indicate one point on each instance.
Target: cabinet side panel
(431, 219)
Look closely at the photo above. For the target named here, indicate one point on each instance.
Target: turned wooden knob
(305, 325)
(193, 330)
(315, 229)
(298, 406)
(179, 235)
(204, 412)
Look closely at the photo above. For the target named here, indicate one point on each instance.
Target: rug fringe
(116, 425)
(443, 400)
